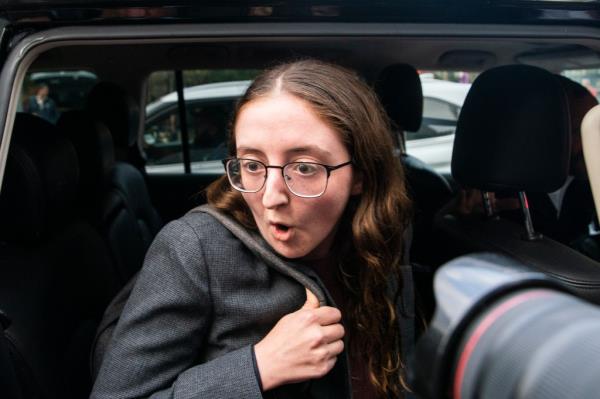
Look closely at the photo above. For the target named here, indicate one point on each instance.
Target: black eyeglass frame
(328, 169)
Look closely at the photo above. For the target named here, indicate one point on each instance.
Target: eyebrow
(248, 149)
(296, 150)
(309, 149)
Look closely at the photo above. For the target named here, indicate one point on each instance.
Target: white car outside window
(209, 106)
(433, 142)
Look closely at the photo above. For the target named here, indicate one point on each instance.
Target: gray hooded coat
(208, 291)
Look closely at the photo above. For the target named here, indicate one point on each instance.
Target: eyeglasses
(304, 179)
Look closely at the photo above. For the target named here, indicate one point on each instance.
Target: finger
(335, 348)
(333, 332)
(312, 302)
(325, 367)
(327, 315)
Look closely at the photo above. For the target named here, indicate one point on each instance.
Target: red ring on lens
(482, 328)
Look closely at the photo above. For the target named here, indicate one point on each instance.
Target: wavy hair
(370, 238)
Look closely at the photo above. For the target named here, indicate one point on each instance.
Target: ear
(357, 184)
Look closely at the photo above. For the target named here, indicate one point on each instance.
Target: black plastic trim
(61, 12)
(27, 48)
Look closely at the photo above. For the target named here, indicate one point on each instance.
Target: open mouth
(282, 232)
(281, 227)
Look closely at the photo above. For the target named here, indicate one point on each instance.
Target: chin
(289, 253)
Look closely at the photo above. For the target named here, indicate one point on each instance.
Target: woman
(312, 172)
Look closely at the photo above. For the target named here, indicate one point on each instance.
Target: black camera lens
(502, 331)
(532, 344)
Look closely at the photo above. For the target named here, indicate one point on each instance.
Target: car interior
(79, 209)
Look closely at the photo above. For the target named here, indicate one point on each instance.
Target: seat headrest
(513, 132)
(111, 104)
(95, 150)
(399, 89)
(40, 180)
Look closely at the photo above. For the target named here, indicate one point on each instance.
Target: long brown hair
(374, 221)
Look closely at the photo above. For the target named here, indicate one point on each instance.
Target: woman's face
(279, 129)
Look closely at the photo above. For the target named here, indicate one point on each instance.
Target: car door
(9, 386)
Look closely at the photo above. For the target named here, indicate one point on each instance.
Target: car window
(588, 78)
(210, 97)
(434, 108)
(50, 93)
(439, 119)
(443, 95)
(207, 129)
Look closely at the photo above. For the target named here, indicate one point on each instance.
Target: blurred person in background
(42, 105)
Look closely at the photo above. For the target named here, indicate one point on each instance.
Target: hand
(303, 345)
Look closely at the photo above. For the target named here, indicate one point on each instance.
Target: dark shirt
(326, 269)
(46, 110)
(576, 212)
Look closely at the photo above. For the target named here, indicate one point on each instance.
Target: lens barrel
(502, 330)
(532, 344)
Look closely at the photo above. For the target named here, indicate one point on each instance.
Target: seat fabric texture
(54, 267)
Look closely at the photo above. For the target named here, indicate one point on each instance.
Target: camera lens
(536, 343)
(502, 330)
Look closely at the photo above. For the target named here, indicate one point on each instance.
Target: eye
(251, 166)
(304, 169)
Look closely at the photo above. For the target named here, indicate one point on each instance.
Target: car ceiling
(367, 54)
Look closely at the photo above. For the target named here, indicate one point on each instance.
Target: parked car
(162, 136)
(72, 233)
(432, 143)
(208, 108)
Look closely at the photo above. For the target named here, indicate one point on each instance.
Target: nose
(275, 192)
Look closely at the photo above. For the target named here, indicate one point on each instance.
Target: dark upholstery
(54, 283)
(514, 126)
(110, 103)
(426, 187)
(470, 233)
(114, 193)
(40, 181)
(94, 146)
(129, 219)
(514, 134)
(399, 90)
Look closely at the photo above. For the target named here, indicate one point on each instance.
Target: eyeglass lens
(304, 179)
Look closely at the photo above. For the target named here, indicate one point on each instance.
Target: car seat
(400, 92)
(114, 193)
(513, 136)
(110, 104)
(54, 283)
